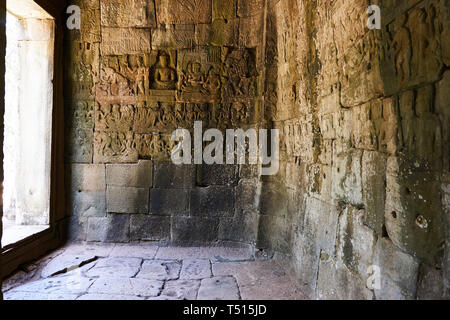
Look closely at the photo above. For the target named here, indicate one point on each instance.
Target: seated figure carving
(165, 76)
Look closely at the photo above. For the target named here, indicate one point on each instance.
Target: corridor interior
(359, 208)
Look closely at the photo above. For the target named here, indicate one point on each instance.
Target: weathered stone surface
(250, 7)
(149, 228)
(219, 288)
(128, 13)
(413, 216)
(431, 284)
(213, 202)
(336, 282)
(17, 296)
(194, 229)
(127, 200)
(130, 175)
(118, 41)
(180, 12)
(160, 270)
(65, 286)
(346, 174)
(115, 268)
(243, 227)
(169, 201)
(124, 286)
(355, 242)
(217, 175)
(181, 290)
(113, 228)
(399, 272)
(195, 270)
(260, 280)
(88, 203)
(88, 177)
(374, 194)
(180, 36)
(168, 175)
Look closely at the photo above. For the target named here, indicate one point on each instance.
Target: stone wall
(137, 70)
(365, 162)
(363, 114)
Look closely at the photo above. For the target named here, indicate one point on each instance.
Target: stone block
(195, 269)
(88, 203)
(128, 13)
(130, 175)
(222, 175)
(80, 147)
(213, 202)
(248, 8)
(336, 282)
(320, 224)
(113, 228)
(243, 227)
(168, 175)
(181, 290)
(181, 12)
(346, 175)
(124, 286)
(115, 268)
(398, 270)
(219, 288)
(77, 228)
(273, 201)
(120, 41)
(224, 9)
(355, 242)
(374, 189)
(180, 36)
(127, 200)
(274, 233)
(169, 201)
(149, 228)
(194, 229)
(431, 285)
(88, 177)
(413, 212)
(160, 270)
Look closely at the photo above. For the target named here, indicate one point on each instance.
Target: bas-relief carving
(83, 69)
(114, 117)
(239, 72)
(198, 75)
(128, 13)
(81, 114)
(155, 147)
(120, 41)
(179, 36)
(166, 117)
(90, 25)
(80, 145)
(183, 11)
(110, 147)
(413, 49)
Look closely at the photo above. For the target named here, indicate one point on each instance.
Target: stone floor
(142, 272)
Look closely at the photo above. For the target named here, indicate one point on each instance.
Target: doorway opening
(30, 36)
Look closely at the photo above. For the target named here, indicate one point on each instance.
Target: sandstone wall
(364, 119)
(137, 70)
(363, 116)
